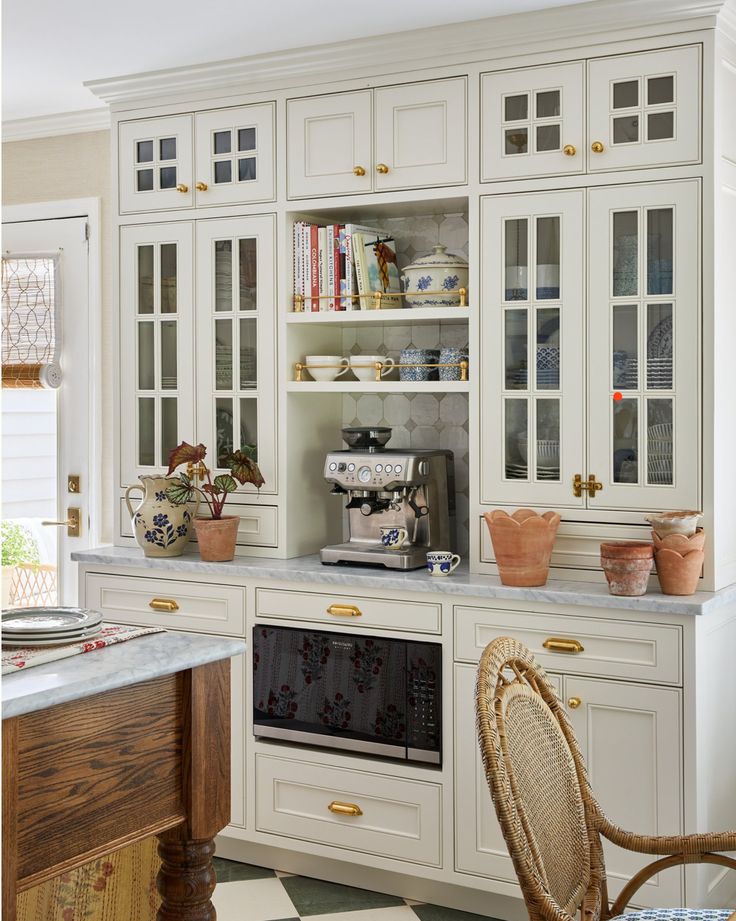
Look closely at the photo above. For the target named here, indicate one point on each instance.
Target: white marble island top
(90, 673)
(309, 569)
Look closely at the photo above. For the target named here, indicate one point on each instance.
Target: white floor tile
(255, 900)
(397, 913)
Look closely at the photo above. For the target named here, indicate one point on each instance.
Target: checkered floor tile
(248, 893)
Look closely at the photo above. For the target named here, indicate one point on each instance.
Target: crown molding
(449, 45)
(727, 19)
(42, 126)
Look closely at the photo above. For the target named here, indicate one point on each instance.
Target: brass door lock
(591, 485)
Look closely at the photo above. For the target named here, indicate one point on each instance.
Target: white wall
(29, 454)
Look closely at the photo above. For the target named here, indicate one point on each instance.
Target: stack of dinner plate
(49, 626)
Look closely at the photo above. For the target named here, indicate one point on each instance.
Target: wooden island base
(86, 778)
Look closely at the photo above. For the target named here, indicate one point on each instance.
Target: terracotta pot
(217, 537)
(678, 573)
(522, 544)
(627, 564)
(665, 523)
(679, 542)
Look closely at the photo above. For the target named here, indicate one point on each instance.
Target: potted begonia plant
(217, 534)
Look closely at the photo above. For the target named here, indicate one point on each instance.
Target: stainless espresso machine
(401, 488)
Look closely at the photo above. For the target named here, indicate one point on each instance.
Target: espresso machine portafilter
(401, 488)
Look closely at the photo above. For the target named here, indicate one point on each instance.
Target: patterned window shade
(29, 322)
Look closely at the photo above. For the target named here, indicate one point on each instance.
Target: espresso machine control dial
(364, 474)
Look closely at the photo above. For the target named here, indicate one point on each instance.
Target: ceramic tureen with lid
(438, 271)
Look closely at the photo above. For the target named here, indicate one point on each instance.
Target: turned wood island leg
(186, 879)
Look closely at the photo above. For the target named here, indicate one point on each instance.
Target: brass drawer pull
(344, 610)
(574, 702)
(344, 808)
(163, 604)
(558, 644)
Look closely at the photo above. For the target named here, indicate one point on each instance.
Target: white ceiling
(49, 48)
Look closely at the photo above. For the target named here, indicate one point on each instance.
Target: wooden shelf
(378, 386)
(407, 316)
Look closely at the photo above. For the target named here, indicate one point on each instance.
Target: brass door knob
(569, 150)
(201, 187)
(382, 168)
(182, 187)
(359, 170)
(573, 702)
(597, 147)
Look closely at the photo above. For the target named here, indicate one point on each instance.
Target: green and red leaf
(244, 468)
(185, 454)
(181, 491)
(225, 483)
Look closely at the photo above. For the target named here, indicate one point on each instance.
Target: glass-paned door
(155, 163)
(157, 365)
(644, 109)
(532, 122)
(644, 356)
(532, 334)
(234, 155)
(236, 406)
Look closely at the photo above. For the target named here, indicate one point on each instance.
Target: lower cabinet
(630, 738)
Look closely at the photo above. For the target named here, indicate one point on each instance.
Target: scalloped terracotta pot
(216, 537)
(522, 544)
(627, 564)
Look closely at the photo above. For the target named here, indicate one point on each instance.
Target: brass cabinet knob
(201, 187)
(569, 150)
(182, 187)
(344, 808)
(382, 168)
(359, 170)
(560, 644)
(597, 147)
(344, 610)
(573, 702)
(163, 604)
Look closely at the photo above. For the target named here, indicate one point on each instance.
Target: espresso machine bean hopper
(401, 488)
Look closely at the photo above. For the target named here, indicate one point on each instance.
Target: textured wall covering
(431, 420)
(66, 167)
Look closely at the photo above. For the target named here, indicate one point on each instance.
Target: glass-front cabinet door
(156, 351)
(643, 372)
(234, 155)
(644, 109)
(236, 330)
(532, 332)
(155, 164)
(532, 122)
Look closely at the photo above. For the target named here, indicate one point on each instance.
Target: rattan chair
(549, 817)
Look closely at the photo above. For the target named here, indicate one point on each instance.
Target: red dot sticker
(618, 396)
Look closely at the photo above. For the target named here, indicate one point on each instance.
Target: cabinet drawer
(199, 606)
(615, 649)
(397, 818)
(349, 611)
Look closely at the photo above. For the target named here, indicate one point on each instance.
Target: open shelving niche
(426, 414)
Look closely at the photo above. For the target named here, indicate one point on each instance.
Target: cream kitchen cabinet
(643, 111)
(216, 157)
(393, 137)
(637, 433)
(631, 738)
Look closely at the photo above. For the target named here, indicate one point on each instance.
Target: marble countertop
(309, 569)
(132, 662)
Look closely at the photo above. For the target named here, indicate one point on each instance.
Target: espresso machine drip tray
(353, 554)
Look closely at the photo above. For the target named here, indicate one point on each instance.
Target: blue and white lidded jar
(438, 271)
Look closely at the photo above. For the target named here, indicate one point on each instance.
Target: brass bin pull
(344, 610)
(344, 808)
(573, 702)
(163, 604)
(559, 644)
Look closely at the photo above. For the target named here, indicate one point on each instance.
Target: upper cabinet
(532, 122)
(394, 137)
(218, 157)
(643, 111)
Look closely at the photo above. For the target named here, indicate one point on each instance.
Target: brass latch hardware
(573, 702)
(591, 485)
(344, 808)
(344, 610)
(73, 484)
(560, 644)
(163, 604)
(73, 523)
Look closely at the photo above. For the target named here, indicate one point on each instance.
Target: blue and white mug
(394, 538)
(442, 562)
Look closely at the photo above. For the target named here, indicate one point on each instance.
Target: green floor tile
(231, 871)
(315, 897)
(438, 913)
